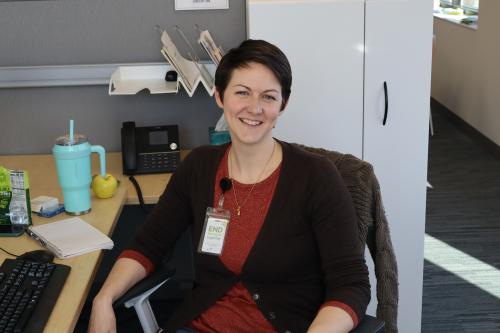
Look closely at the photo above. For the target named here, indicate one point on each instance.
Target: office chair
(363, 186)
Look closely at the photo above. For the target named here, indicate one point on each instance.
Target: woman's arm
(331, 319)
(124, 274)
(341, 252)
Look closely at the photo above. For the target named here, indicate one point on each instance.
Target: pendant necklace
(238, 206)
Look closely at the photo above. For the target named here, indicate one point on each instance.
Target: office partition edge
(57, 76)
(53, 76)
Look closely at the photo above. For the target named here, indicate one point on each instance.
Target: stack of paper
(207, 42)
(71, 237)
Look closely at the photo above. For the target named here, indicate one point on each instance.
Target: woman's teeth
(251, 122)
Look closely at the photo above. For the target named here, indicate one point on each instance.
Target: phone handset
(129, 151)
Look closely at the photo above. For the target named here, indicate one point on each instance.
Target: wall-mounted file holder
(189, 73)
(129, 80)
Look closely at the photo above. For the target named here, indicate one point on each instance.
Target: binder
(70, 237)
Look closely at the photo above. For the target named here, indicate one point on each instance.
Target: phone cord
(139, 194)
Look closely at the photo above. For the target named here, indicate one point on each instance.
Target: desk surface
(104, 214)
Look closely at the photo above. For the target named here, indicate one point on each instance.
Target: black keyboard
(28, 292)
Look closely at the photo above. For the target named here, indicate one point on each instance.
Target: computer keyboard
(28, 292)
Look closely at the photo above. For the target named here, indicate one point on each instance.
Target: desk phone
(150, 149)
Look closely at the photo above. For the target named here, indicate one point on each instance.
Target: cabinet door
(398, 52)
(323, 42)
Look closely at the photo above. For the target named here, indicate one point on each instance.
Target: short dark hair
(258, 51)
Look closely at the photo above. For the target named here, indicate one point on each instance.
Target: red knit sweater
(237, 311)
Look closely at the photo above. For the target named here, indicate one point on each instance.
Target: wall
(104, 31)
(38, 33)
(31, 119)
(466, 70)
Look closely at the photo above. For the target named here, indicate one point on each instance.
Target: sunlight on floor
(472, 270)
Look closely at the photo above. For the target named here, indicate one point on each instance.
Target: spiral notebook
(70, 237)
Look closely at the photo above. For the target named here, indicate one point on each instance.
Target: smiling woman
(274, 224)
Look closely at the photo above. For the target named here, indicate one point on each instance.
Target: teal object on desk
(218, 137)
(72, 157)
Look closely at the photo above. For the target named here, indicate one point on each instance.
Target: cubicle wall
(73, 32)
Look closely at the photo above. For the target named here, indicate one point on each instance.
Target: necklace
(238, 206)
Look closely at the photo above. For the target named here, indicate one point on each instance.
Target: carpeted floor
(462, 267)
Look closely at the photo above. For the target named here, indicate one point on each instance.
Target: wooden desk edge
(94, 272)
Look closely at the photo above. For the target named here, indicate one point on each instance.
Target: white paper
(208, 44)
(201, 4)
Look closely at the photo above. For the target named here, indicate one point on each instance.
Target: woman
(274, 229)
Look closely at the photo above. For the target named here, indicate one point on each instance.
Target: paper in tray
(190, 73)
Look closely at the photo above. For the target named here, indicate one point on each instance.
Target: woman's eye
(242, 93)
(269, 98)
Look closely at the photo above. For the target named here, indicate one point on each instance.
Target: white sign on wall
(201, 4)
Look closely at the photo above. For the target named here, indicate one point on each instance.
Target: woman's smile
(251, 122)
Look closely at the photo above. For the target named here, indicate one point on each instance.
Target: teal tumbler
(73, 167)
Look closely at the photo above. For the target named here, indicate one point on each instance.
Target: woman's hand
(102, 317)
(124, 274)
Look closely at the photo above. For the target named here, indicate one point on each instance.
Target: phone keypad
(159, 162)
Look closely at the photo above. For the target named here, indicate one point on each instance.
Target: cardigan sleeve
(335, 226)
(169, 218)
(344, 307)
(137, 256)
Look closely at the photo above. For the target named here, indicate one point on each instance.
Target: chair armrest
(370, 324)
(159, 276)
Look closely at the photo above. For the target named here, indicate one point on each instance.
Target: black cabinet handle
(386, 103)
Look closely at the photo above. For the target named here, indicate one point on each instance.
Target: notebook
(70, 237)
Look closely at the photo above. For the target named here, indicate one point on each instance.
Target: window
(470, 7)
(459, 11)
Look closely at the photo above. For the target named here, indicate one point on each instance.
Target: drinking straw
(71, 126)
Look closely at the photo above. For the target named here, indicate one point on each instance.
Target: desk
(104, 214)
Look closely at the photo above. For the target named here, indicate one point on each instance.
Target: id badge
(214, 231)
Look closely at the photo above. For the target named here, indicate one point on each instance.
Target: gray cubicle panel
(74, 32)
(64, 32)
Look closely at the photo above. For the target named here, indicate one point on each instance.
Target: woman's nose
(255, 106)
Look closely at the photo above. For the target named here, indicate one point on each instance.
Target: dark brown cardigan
(306, 252)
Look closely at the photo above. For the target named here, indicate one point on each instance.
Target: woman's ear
(218, 99)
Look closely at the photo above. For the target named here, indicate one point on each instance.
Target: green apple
(104, 187)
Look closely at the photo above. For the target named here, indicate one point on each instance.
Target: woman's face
(252, 103)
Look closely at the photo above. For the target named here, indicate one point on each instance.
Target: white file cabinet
(342, 52)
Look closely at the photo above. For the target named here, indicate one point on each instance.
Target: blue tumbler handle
(102, 157)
